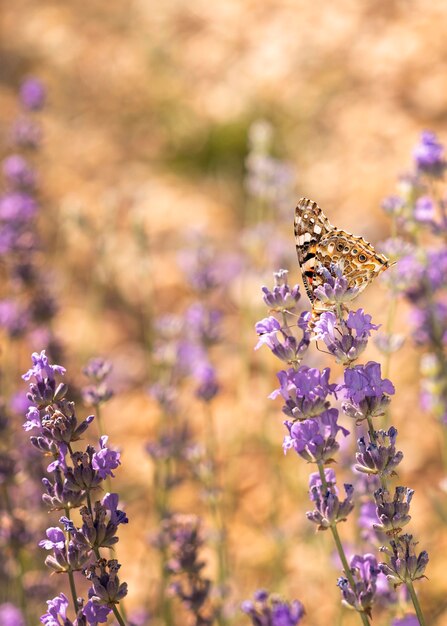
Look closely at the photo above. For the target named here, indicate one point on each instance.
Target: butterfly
(319, 244)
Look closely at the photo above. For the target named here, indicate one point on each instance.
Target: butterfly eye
(362, 258)
(354, 251)
(340, 247)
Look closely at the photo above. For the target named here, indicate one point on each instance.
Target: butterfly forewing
(311, 226)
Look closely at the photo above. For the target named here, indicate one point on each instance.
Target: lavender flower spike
(330, 510)
(270, 610)
(282, 297)
(404, 565)
(364, 570)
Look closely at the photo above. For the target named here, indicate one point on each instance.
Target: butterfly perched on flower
(321, 247)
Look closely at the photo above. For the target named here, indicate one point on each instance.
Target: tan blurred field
(146, 132)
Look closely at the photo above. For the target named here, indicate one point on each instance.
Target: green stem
(416, 604)
(340, 549)
(215, 502)
(101, 431)
(20, 564)
(119, 619)
(71, 581)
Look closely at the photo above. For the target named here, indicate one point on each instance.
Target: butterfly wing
(311, 227)
(361, 263)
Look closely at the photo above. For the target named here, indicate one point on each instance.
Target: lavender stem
(416, 604)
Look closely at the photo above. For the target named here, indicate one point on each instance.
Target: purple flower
(106, 459)
(408, 620)
(98, 369)
(364, 570)
(17, 207)
(424, 210)
(57, 612)
(202, 324)
(267, 610)
(55, 539)
(315, 439)
(207, 387)
(393, 205)
(379, 456)
(13, 318)
(32, 94)
(42, 370)
(367, 393)
(26, 133)
(96, 613)
(404, 565)
(393, 514)
(335, 289)
(18, 172)
(281, 298)
(345, 340)
(10, 615)
(429, 155)
(329, 509)
(305, 391)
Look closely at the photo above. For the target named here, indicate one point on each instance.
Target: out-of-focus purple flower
(13, 318)
(57, 612)
(10, 615)
(408, 620)
(202, 323)
(32, 94)
(105, 460)
(393, 513)
(17, 207)
(366, 391)
(270, 610)
(404, 565)
(97, 368)
(367, 518)
(207, 385)
(305, 391)
(26, 133)
(429, 155)
(329, 509)
(18, 173)
(314, 439)
(424, 210)
(393, 205)
(364, 570)
(378, 456)
(281, 298)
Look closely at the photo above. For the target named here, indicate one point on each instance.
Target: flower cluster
(30, 306)
(181, 537)
(270, 610)
(312, 432)
(419, 210)
(72, 478)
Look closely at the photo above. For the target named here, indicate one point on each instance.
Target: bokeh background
(147, 126)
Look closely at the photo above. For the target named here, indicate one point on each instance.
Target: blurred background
(178, 136)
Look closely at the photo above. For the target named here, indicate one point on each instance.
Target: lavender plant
(73, 477)
(314, 433)
(419, 214)
(270, 610)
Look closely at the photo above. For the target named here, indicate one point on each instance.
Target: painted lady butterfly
(319, 244)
